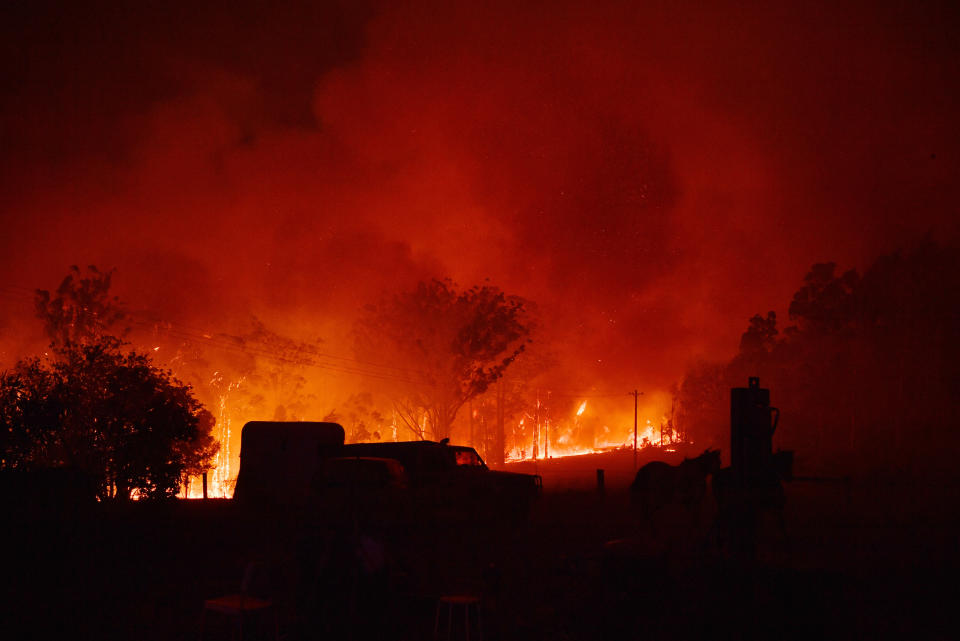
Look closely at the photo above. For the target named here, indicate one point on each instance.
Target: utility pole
(536, 429)
(546, 426)
(470, 409)
(500, 437)
(636, 399)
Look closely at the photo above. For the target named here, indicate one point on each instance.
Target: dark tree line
(866, 375)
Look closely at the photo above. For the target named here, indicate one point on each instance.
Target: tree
(81, 310)
(275, 372)
(702, 403)
(867, 377)
(523, 395)
(92, 407)
(106, 413)
(360, 418)
(761, 335)
(30, 414)
(446, 346)
(824, 302)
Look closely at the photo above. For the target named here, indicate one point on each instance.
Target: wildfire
(534, 435)
(566, 439)
(221, 478)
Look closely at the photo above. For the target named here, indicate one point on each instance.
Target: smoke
(651, 176)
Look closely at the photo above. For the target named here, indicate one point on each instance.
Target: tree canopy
(81, 310)
(109, 414)
(445, 345)
(94, 407)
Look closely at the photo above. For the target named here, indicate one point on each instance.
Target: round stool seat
(462, 604)
(460, 599)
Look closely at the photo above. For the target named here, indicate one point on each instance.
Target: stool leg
(449, 621)
(436, 622)
(466, 620)
(479, 625)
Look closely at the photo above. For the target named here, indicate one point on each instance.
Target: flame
(562, 439)
(534, 436)
(220, 478)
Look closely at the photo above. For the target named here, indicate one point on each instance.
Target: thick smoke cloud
(651, 176)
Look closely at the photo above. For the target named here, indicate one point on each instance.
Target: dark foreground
(874, 559)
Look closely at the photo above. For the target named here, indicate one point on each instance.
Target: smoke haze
(651, 176)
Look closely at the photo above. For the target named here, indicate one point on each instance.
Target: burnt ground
(873, 559)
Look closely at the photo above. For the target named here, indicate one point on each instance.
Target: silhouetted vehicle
(453, 481)
(361, 473)
(279, 460)
(362, 486)
(298, 464)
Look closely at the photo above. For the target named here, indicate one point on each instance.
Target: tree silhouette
(97, 409)
(106, 413)
(30, 414)
(868, 375)
(81, 310)
(360, 418)
(446, 345)
(521, 395)
(761, 335)
(274, 373)
(824, 302)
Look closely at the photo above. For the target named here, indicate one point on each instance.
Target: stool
(245, 608)
(239, 609)
(463, 602)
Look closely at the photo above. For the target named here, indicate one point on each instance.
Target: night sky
(651, 174)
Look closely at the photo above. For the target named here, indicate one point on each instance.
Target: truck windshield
(468, 457)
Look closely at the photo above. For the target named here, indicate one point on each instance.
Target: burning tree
(447, 346)
(515, 412)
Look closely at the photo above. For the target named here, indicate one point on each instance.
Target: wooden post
(636, 401)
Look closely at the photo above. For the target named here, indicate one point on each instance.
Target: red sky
(652, 174)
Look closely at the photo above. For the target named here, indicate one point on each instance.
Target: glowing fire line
(563, 438)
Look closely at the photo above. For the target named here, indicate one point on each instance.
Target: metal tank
(752, 424)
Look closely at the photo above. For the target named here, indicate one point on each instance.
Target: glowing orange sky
(650, 176)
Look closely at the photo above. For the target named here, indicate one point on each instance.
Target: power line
(227, 343)
(263, 353)
(207, 335)
(222, 342)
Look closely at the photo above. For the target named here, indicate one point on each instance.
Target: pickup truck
(298, 464)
